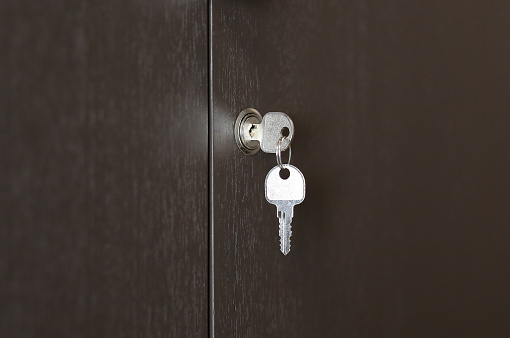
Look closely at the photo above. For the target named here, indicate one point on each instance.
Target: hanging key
(285, 194)
(254, 132)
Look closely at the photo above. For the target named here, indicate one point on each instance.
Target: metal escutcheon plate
(244, 121)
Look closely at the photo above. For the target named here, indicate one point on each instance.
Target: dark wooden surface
(402, 125)
(103, 169)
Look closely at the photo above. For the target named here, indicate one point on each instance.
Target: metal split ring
(279, 153)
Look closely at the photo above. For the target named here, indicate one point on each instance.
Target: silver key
(272, 125)
(285, 194)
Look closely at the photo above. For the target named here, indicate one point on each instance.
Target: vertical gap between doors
(210, 306)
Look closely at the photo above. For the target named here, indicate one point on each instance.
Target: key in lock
(254, 132)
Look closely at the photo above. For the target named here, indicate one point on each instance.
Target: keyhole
(284, 173)
(285, 131)
(252, 131)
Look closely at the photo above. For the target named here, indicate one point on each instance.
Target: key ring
(279, 153)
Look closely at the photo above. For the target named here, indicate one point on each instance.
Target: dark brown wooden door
(126, 208)
(103, 169)
(402, 119)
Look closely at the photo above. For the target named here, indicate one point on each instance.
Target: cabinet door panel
(402, 124)
(103, 195)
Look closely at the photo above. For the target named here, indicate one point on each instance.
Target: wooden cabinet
(126, 208)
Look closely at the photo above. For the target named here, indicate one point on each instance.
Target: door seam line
(210, 306)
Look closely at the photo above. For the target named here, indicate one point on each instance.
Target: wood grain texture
(401, 116)
(103, 126)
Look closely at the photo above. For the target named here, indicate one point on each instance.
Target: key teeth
(285, 234)
(284, 250)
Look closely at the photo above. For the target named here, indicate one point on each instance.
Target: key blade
(285, 213)
(285, 234)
